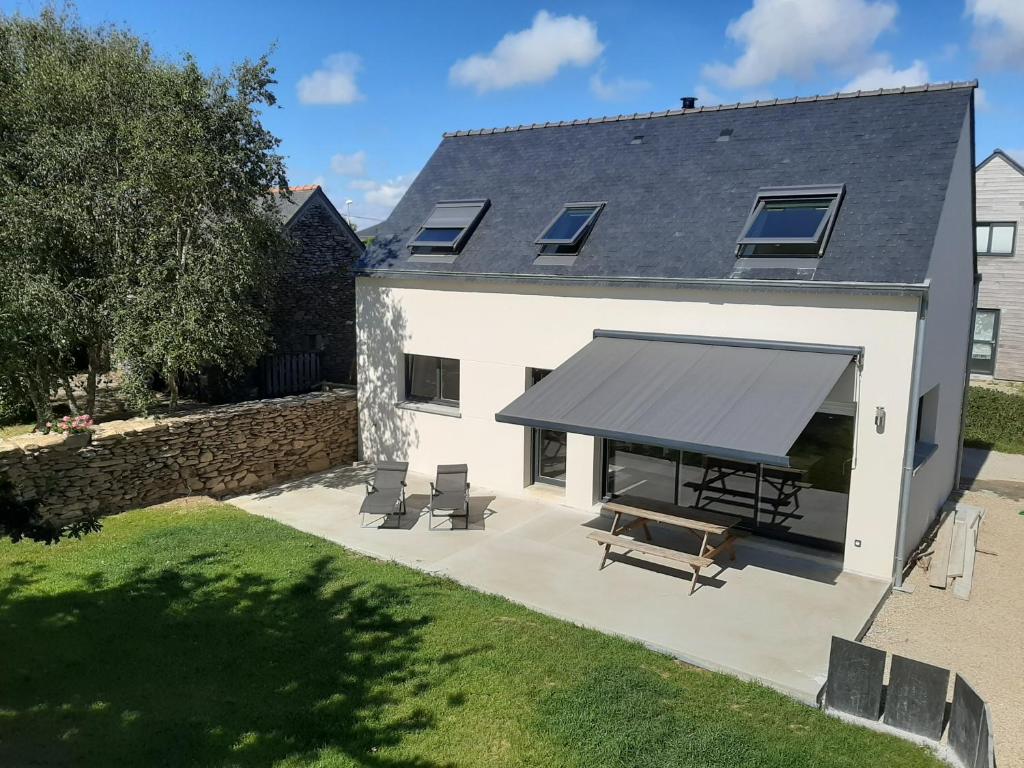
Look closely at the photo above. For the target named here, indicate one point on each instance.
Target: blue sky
(366, 90)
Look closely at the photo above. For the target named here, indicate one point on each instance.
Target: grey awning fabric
(744, 402)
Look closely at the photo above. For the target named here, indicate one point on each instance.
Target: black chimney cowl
(689, 102)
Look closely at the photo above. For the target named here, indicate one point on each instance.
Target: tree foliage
(136, 215)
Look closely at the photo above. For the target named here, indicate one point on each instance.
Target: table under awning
(734, 398)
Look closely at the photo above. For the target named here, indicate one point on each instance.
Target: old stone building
(315, 307)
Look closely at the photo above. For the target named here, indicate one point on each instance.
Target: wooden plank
(676, 520)
(937, 571)
(608, 539)
(956, 550)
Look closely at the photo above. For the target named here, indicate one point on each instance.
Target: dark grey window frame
(580, 233)
(832, 192)
(988, 251)
(989, 367)
(449, 246)
(408, 359)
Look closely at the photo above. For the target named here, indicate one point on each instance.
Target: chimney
(689, 102)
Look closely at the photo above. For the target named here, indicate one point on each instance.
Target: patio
(767, 616)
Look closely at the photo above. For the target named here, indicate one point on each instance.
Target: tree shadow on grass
(197, 665)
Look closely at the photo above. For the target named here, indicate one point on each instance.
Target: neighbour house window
(790, 221)
(449, 226)
(431, 379)
(986, 338)
(568, 231)
(995, 239)
(927, 426)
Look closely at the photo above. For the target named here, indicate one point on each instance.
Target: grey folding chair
(385, 492)
(449, 493)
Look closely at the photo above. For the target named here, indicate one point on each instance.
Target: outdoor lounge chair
(385, 491)
(449, 493)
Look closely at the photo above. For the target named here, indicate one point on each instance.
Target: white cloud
(378, 197)
(334, 83)
(885, 76)
(617, 88)
(792, 38)
(981, 102)
(349, 165)
(998, 32)
(706, 97)
(531, 55)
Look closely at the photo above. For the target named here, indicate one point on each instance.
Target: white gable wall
(947, 329)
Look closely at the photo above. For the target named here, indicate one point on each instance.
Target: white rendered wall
(947, 329)
(499, 332)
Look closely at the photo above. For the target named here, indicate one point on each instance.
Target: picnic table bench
(717, 525)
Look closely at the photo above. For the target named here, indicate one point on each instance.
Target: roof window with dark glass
(568, 231)
(790, 221)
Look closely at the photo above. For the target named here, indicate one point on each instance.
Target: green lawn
(204, 636)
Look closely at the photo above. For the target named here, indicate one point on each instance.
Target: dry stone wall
(219, 452)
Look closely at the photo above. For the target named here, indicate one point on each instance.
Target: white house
(762, 309)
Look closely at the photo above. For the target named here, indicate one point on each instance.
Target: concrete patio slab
(768, 616)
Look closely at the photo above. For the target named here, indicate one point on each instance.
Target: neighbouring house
(761, 309)
(367, 234)
(998, 348)
(315, 305)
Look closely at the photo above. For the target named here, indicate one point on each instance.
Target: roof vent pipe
(689, 102)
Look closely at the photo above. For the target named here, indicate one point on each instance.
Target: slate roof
(676, 202)
(286, 209)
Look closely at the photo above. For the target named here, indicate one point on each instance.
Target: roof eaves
(948, 86)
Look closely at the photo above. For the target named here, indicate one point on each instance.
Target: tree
(197, 293)
(137, 212)
(66, 101)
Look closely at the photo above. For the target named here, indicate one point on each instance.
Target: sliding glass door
(805, 502)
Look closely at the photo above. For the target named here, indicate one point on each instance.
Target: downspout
(909, 445)
(974, 307)
(967, 386)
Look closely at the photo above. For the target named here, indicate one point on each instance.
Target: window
(432, 379)
(927, 426)
(550, 447)
(568, 231)
(986, 336)
(993, 239)
(790, 221)
(448, 226)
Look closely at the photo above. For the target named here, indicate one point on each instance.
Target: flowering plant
(71, 426)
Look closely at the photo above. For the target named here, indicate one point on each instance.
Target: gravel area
(981, 638)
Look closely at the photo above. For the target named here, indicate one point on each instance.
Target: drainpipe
(909, 445)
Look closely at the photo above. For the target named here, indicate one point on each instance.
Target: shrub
(15, 407)
(995, 420)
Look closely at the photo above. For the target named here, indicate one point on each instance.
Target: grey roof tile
(676, 202)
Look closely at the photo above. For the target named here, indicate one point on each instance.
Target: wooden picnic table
(704, 528)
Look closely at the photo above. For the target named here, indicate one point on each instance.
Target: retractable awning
(739, 399)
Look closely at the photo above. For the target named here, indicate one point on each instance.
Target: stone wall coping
(114, 430)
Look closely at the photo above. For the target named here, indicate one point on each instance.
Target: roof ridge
(947, 86)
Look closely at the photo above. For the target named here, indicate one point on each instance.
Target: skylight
(448, 225)
(790, 221)
(568, 230)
